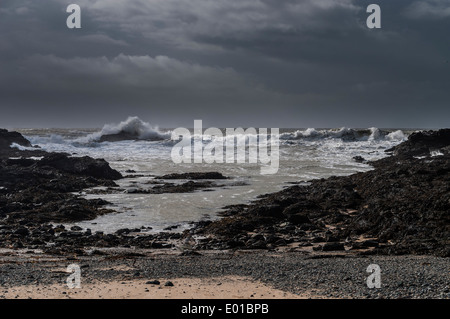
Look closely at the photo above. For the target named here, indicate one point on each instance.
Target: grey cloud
(160, 72)
(291, 62)
(100, 39)
(431, 9)
(180, 22)
(132, 84)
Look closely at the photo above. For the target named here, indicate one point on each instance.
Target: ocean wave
(344, 133)
(51, 139)
(133, 128)
(397, 136)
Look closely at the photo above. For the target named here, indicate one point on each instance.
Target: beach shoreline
(143, 274)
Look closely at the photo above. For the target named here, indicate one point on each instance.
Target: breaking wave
(133, 128)
(346, 134)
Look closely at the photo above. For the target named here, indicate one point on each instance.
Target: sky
(230, 63)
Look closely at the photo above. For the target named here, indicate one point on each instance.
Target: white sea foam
(396, 136)
(436, 153)
(375, 134)
(22, 148)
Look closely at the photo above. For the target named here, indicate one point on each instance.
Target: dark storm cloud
(248, 62)
(432, 9)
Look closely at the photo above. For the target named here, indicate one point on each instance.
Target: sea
(305, 154)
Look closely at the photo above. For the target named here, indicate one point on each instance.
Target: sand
(227, 287)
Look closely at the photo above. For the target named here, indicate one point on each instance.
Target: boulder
(296, 213)
(195, 175)
(87, 166)
(333, 246)
(7, 138)
(423, 143)
(121, 136)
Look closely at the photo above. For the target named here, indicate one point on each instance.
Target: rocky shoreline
(400, 207)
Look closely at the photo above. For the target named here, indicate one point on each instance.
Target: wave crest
(133, 128)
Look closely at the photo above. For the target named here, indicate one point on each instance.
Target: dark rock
(298, 212)
(256, 244)
(168, 284)
(157, 244)
(36, 192)
(22, 231)
(186, 187)
(85, 165)
(370, 243)
(153, 282)
(422, 143)
(7, 138)
(235, 243)
(274, 211)
(298, 219)
(172, 227)
(123, 231)
(201, 175)
(403, 203)
(122, 136)
(126, 136)
(359, 159)
(282, 242)
(318, 239)
(24, 162)
(331, 238)
(333, 247)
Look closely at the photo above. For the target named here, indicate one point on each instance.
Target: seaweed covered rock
(424, 144)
